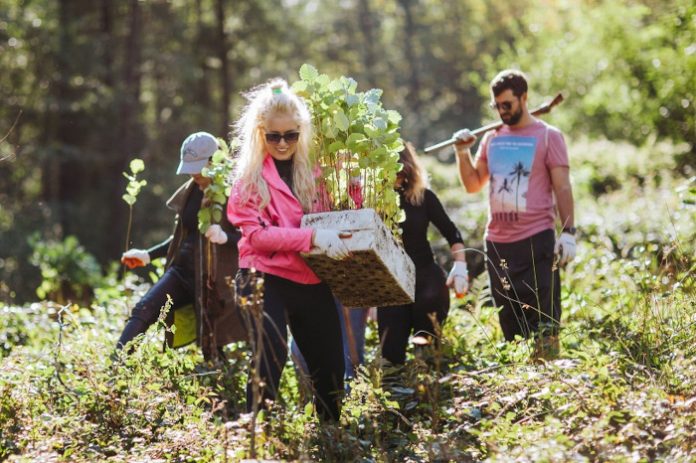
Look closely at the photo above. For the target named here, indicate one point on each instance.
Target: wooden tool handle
(543, 109)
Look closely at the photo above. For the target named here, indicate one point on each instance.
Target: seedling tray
(379, 273)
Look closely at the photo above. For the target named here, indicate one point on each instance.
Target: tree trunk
(203, 84)
(58, 125)
(222, 50)
(106, 35)
(367, 27)
(411, 57)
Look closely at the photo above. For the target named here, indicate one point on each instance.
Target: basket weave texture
(379, 273)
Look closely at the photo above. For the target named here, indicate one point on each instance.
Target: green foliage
(68, 271)
(83, 118)
(134, 185)
(618, 83)
(219, 171)
(355, 138)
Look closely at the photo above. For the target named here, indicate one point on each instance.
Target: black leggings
(147, 310)
(310, 312)
(525, 285)
(395, 323)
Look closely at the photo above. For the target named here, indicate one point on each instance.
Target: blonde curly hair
(265, 102)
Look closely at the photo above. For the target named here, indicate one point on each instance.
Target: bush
(68, 271)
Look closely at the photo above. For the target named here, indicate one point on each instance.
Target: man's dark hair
(509, 79)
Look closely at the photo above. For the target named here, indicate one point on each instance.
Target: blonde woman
(422, 207)
(274, 187)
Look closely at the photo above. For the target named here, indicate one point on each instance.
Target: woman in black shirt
(189, 279)
(422, 208)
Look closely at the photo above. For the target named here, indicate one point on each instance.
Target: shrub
(68, 271)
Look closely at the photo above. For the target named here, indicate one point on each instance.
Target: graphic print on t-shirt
(509, 163)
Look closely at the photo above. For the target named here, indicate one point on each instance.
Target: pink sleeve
(482, 152)
(258, 231)
(557, 153)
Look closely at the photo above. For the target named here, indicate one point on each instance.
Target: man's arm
(560, 180)
(473, 175)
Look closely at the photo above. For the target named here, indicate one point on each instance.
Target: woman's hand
(135, 258)
(459, 278)
(330, 243)
(216, 234)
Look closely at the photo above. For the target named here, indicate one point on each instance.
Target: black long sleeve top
(189, 220)
(415, 227)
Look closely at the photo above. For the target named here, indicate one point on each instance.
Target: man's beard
(513, 119)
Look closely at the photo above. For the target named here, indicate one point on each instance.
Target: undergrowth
(622, 389)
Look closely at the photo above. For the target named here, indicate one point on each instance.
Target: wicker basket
(378, 274)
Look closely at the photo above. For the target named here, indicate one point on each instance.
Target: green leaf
(219, 156)
(308, 72)
(308, 410)
(323, 80)
(129, 199)
(219, 197)
(373, 95)
(137, 165)
(371, 131)
(394, 116)
(380, 123)
(354, 141)
(299, 87)
(335, 86)
(379, 154)
(341, 121)
(329, 130)
(204, 215)
(352, 100)
(335, 146)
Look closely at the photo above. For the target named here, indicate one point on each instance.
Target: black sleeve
(439, 218)
(160, 250)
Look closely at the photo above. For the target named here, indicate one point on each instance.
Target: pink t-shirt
(520, 193)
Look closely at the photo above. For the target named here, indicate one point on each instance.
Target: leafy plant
(68, 271)
(354, 138)
(132, 190)
(218, 171)
(622, 390)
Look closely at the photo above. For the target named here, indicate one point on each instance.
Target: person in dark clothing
(187, 280)
(422, 207)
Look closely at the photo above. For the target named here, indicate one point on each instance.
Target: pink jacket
(272, 238)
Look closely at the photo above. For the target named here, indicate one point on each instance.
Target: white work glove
(216, 235)
(458, 278)
(565, 248)
(330, 243)
(464, 139)
(135, 258)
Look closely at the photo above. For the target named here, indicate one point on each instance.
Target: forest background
(89, 85)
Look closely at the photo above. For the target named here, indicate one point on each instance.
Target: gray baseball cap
(195, 152)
